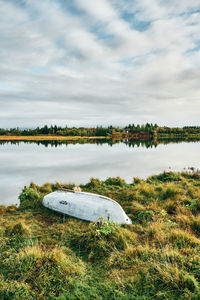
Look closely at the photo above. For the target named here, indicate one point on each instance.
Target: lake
(23, 162)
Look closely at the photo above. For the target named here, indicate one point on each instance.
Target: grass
(44, 255)
(48, 138)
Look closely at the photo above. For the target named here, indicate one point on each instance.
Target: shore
(49, 138)
(45, 255)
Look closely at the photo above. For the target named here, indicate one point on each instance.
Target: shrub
(29, 198)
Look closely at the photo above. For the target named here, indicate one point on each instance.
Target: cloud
(86, 63)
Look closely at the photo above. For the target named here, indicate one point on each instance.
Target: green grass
(44, 255)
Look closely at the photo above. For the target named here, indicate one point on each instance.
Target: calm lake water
(21, 163)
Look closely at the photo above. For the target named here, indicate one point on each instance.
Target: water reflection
(131, 143)
(42, 161)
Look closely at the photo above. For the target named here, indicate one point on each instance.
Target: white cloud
(93, 65)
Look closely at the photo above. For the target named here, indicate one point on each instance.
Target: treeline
(184, 131)
(154, 129)
(132, 128)
(63, 131)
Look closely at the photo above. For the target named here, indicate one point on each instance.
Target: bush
(29, 198)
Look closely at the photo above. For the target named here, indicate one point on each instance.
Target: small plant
(106, 227)
(193, 205)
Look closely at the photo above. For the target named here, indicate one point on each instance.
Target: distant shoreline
(49, 138)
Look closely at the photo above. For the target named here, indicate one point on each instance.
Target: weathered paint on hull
(86, 206)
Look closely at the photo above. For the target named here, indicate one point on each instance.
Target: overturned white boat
(86, 206)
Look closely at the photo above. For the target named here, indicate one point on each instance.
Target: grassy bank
(171, 136)
(44, 255)
(47, 138)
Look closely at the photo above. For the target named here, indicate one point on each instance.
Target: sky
(99, 62)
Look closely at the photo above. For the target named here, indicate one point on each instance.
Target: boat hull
(86, 206)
